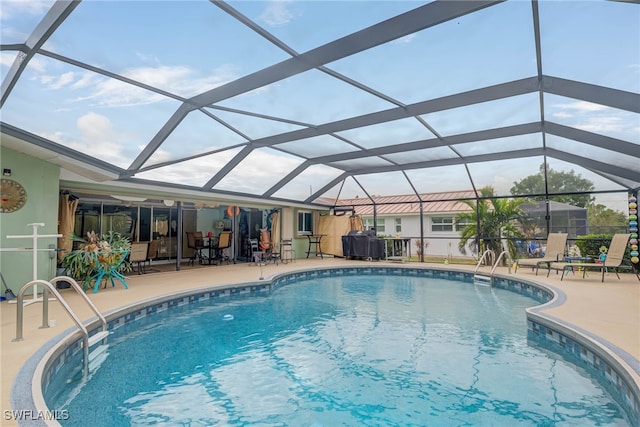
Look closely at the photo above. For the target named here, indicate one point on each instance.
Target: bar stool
(287, 252)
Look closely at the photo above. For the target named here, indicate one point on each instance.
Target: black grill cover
(362, 244)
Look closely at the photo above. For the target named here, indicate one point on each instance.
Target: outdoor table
(577, 260)
(400, 248)
(314, 244)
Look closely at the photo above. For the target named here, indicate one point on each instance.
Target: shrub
(589, 244)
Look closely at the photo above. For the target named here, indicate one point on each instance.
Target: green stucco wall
(41, 181)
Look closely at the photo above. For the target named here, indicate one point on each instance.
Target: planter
(99, 259)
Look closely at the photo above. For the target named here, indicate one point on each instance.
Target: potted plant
(107, 253)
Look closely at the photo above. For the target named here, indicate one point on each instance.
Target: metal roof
(445, 202)
(300, 102)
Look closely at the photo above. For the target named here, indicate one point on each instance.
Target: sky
(190, 47)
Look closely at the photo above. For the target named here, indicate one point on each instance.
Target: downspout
(375, 216)
(179, 240)
(478, 237)
(421, 232)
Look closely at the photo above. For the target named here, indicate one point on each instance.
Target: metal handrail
(49, 286)
(84, 296)
(487, 252)
(498, 261)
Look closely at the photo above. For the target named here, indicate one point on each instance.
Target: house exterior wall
(439, 243)
(40, 180)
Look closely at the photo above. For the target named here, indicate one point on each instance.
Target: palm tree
(496, 219)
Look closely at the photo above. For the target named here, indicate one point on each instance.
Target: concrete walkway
(610, 311)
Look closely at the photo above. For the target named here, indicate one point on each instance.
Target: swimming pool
(360, 349)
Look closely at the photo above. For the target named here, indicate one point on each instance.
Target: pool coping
(620, 368)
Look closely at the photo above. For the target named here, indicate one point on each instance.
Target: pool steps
(481, 277)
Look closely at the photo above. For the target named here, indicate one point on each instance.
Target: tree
(497, 219)
(558, 182)
(603, 220)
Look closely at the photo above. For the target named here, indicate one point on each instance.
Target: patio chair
(138, 255)
(152, 254)
(556, 243)
(256, 256)
(195, 241)
(224, 242)
(615, 254)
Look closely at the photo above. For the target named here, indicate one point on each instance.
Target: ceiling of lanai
(300, 101)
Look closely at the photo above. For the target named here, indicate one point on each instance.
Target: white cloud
(502, 184)
(257, 170)
(60, 81)
(406, 39)
(97, 138)
(106, 92)
(604, 125)
(7, 59)
(563, 115)
(580, 106)
(10, 33)
(277, 13)
(593, 118)
(182, 80)
(148, 58)
(96, 131)
(114, 93)
(95, 127)
(36, 64)
(86, 79)
(191, 172)
(10, 9)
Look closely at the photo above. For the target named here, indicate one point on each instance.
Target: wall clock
(13, 196)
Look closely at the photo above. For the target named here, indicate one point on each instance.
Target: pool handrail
(49, 286)
(485, 279)
(489, 254)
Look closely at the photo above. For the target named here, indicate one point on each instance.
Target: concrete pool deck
(609, 310)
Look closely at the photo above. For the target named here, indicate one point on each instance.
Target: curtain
(356, 223)
(275, 231)
(66, 222)
(333, 228)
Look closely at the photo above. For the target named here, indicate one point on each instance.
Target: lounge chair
(613, 261)
(556, 243)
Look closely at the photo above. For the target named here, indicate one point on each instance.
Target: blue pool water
(344, 351)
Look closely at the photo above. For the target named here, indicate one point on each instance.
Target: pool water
(344, 351)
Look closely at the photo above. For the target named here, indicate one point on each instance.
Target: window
(462, 223)
(443, 223)
(368, 225)
(398, 225)
(305, 223)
